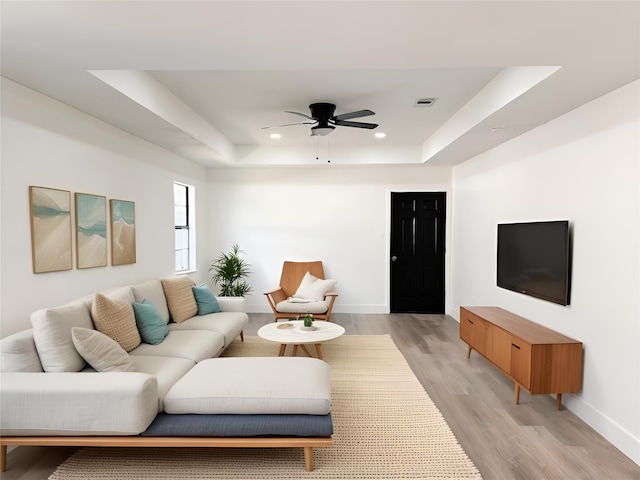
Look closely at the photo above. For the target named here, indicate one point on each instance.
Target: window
(184, 220)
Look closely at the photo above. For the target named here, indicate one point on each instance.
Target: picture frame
(123, 232)
(91, 230)
(51, 232)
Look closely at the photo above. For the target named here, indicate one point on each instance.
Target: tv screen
(535, 259)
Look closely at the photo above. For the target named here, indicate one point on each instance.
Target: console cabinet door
(476, 332)
(521, 362)
(501, 349)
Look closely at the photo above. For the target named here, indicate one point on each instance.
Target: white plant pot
(232, 304)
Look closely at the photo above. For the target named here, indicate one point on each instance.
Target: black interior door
(417, 252)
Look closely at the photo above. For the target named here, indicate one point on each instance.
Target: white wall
(46, 143)
(333, 213)
(582, 167)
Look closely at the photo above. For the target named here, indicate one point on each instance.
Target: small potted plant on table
(307, 322)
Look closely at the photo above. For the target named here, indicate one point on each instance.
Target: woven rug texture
(385, 427)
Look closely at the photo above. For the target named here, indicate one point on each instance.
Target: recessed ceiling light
(275, 136)
(497, 130)
(379, 134)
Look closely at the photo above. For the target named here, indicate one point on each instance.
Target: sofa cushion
(149, 322)
(171, 425)
(166, 370)
(18, 353)
(101, 352)
(206, 300)
(115, 318)
(229, 324)
(152, 290)
(194, 345)
(122, 294)
(180, 299)
(78, 403)
(313, 288)
(253, 385)
(52, 336)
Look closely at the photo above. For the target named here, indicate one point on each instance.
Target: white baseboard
(615, 433)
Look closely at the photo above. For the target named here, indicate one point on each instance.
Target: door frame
(446, 188)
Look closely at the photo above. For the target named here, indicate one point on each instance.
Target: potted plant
(307, 323)
(230, 273)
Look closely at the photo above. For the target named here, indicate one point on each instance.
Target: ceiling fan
(324, 121)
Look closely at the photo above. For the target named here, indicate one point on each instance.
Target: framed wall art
(51, 245)
(123, 232)
(91, 230)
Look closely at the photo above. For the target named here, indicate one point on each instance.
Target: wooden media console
(536, 358)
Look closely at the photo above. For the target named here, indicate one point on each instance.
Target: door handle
(393, 258)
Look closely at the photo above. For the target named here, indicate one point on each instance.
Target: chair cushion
(313, 287)
(315, 306)
(149, 322)
(101, 352)
(115, 318)
(206, 300)
(180, 299)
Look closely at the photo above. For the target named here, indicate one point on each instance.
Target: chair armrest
(331, 294)
(274, 297)
(279, 289)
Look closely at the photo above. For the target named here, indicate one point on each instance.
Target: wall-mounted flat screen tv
(535, 259)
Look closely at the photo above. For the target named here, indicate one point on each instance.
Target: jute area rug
(385, 427)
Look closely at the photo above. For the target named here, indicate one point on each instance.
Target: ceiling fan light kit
(322, 130)
(324, 121)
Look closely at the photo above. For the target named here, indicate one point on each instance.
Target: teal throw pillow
(206, 300)
(149, 322)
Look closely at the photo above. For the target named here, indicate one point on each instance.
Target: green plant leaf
(230, 272)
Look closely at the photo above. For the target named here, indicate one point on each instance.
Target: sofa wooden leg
(3, 458)
(242, 336)
(308, 459)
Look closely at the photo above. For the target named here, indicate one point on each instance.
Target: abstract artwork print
(50, 229)
(123, 232)
(91, 231)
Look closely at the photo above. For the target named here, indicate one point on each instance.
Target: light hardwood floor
(530, 441)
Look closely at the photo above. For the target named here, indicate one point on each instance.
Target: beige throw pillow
(180, 299)
(101, 352)
(116, 319)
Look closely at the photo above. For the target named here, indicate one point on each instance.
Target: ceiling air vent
(425, 102)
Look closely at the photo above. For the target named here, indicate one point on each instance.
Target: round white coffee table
(291, 333)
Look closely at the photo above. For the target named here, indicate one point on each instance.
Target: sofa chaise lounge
(138, 366)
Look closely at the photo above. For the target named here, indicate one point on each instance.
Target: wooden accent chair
(292, 275)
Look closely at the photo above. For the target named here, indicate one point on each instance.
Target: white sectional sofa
(97, 370)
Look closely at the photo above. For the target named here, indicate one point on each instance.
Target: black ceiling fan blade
(343, 123)
(358, 114)
(289, 125)
(301, 114)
